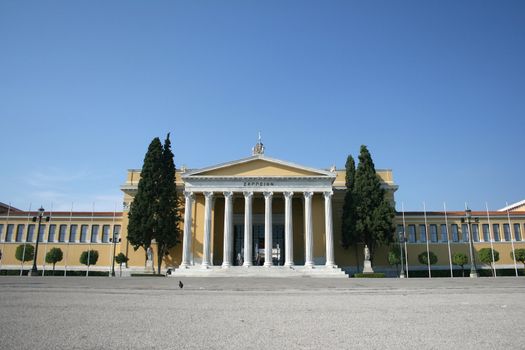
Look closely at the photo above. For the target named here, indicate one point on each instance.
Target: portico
(268, 212)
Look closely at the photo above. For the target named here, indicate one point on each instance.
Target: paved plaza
(249, 313)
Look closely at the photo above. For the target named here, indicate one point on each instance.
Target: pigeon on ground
(180, 284)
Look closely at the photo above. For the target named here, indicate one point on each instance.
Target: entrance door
(258, 244)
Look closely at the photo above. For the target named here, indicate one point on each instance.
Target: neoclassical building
(243, 211)
(259, 216)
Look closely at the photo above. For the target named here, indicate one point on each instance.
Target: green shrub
(460, 259)
(486, 255)
(75, 273)
(370, 275)
(25, 252)
(423, 258)
(12, 272)
(120, 259)
(53, 256)
(146, 275)
(394, 256)
(91, 254)
(520, 255)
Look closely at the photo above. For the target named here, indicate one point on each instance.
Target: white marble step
(260, 271)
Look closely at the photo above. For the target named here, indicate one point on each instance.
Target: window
(20, 232)
(433, 233)
(464, 232)
(1, 231)
(116, 232)
(83, 233)
(455, 236)
(105, 234)
(486, 232)
(444, 233)
(506, 232)
(41, 233)
(495, 229)
(422, 233)
(475, 232)
(51, 236)
(30, 233)
(9, 234)
(62, 233)
(73, 233)
(412, 233)
(94, 234)
(517, 232)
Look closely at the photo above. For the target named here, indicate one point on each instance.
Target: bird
(181, 285)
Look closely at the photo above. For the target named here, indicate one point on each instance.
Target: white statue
(258, 149)
(149, 254)
(367, 253)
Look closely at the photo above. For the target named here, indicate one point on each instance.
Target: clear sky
(435, 89)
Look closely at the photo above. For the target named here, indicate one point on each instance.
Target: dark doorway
(258, 244)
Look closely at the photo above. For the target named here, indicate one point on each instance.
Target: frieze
(259, 185)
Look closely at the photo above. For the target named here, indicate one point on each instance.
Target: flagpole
(401, 239)
(4, 234)
(90, 237)
(426, 239)
(47, 240)
(25, 242)
(511, 239)
(404, 233)
(491, 241)
(111, 252)
(448, 241)
(69, 239)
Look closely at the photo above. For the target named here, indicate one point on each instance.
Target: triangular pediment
(259, 166)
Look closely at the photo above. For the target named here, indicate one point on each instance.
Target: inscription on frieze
(257, 183)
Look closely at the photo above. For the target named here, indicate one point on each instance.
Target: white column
(309, 241)
(288, 229)
(186, 241)
(208, 204)
(248, 237)
(228, 230)
(329, 229)
(268, 229)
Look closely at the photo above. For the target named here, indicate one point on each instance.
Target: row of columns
(248, 237)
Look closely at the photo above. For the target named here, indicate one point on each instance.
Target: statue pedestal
(367, 267)
(149, 266)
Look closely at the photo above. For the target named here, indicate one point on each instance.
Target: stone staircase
(319, 271)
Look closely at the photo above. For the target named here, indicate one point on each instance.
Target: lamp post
(34, 270)
(114, 251)
(468, 219)
(401, 241)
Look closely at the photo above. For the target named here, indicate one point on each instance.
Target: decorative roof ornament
(258, 149)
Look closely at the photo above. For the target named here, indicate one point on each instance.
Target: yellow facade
(86, 231)
(246, 173)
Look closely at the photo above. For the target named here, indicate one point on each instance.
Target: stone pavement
(246, 313)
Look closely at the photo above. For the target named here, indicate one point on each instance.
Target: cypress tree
(168, 232)
(348, 220)
(374, 214)
(143, 213)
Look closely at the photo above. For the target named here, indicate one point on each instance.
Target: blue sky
(435, 89)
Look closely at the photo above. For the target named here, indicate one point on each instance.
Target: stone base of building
(317, 271)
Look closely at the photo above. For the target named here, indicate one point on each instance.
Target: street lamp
(468, 218)
(401, 241)
(34, 270)
(114, 251)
